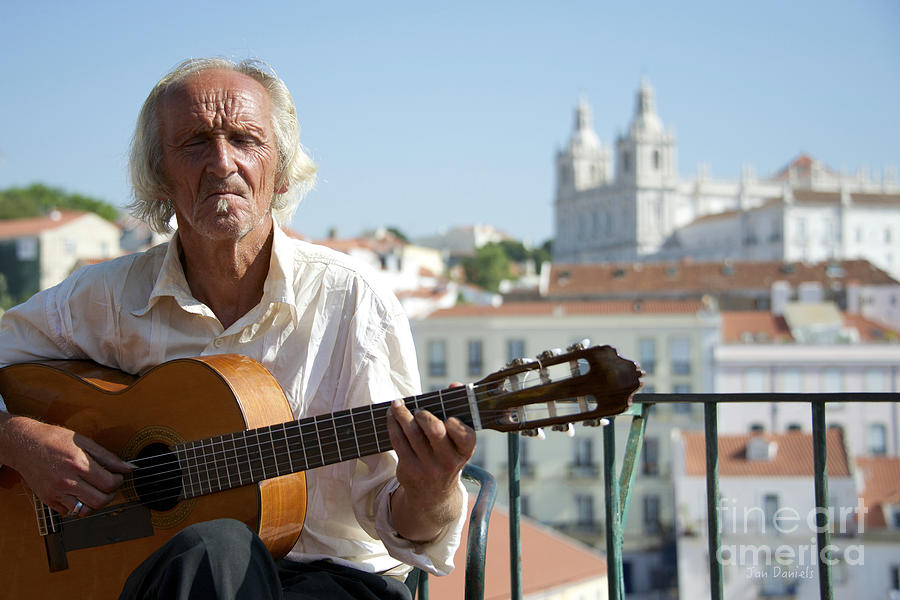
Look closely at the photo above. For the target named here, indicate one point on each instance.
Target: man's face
(219, 154)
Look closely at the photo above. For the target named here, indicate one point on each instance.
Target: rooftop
(14, 228)
(688, 277)
(792, 455)
(550, 309)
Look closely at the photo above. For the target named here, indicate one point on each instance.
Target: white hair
(295, 170)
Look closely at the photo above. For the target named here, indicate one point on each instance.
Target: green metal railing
(617, 487)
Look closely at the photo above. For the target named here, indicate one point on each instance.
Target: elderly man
(217, 147)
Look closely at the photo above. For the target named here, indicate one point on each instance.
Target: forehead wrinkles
(201, 102)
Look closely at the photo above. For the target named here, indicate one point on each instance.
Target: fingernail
(130, 465)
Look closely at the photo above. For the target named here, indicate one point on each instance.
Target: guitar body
(179, 401)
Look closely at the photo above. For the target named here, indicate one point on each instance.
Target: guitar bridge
(115, 524)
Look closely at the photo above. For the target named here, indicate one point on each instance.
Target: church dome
(583, 136)
(646, 122)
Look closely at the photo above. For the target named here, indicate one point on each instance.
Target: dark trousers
(225, 560)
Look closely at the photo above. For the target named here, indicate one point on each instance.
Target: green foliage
(37, 200)
(488, 267)
(398, 234)
(491, 263)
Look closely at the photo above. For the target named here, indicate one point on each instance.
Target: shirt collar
(171, 282)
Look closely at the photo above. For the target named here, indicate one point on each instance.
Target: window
(790, 380)
(437, 358)
(680, 355)
(651, 514)
(650, 456)
(681, 408)
(770, 507)
(584, 452)
(877, 439)
(832, 381)
(757, 428)
(626, 161)
(515, 348)
(755, 381)
(875, 380)
(584, 510)
(476, 359)
(656, 160)
(647, 355)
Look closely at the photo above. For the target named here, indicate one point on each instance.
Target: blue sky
(428, 115)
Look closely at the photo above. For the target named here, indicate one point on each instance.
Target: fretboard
(236, 459)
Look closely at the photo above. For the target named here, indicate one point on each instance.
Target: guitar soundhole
(158, 479)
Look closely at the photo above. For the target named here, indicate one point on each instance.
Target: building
(767, 513)
(39, 252)
(878, 480)
(632, 204)
(561, 476)
(810, 347)
(855, 286)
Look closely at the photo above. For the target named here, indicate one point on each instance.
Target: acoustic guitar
(214, 437)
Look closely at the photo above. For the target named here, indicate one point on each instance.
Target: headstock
(558, 388)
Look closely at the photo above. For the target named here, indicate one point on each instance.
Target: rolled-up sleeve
(392, 372)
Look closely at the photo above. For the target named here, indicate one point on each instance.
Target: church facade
(630, 204)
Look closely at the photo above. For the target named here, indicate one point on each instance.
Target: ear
(282, 189)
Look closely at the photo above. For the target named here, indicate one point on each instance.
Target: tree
(38, 199)
(488, 267)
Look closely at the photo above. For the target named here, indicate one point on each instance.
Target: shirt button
(218, 343)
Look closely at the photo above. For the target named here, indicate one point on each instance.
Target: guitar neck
(236, 459)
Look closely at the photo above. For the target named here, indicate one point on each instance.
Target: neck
(228, 276)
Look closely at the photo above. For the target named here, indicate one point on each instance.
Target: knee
(217, 535)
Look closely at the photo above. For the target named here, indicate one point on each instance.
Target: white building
(562, 482)
(639, 208)
(39, 252)
(767, 514)
(811, 348)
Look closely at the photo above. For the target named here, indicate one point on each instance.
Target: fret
(325, 435)
(443, 408)
(266, 454)
(296, 447)
(312, 445)
(254, 456)
(345, 432)
(216, 456)
(228, 457)
(195, 466)
(337, 438)
(356, 429)
(181, 454)
(287, 447)
(374, 427)
(242, 458)
(281, 452)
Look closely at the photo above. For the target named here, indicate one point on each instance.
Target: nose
(221, 160)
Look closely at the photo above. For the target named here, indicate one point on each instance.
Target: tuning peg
(517, 362)
(579, 345)
(537, 432)
(566, 428)
(547, 354)
(596, 422)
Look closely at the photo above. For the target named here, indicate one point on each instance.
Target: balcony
(826, 568)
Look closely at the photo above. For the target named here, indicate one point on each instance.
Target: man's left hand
(431, 454)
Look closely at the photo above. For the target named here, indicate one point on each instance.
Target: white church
(633, 205)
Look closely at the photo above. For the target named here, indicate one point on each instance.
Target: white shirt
(331, 336)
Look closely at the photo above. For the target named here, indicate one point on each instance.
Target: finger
(398, 438)
(410, 428)
(107, 459)
(462, 436)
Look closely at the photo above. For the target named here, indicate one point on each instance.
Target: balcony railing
(618, 486)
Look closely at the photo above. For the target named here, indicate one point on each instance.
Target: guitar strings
(429, 401)
(200, 465)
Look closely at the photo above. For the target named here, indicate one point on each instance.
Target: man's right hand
(60, 466)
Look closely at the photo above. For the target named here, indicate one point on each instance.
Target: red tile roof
(549, 561)
(881, 477)
(764, 327)
(611, 280)
(548, 309)
(793, 458)
(14, 228)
